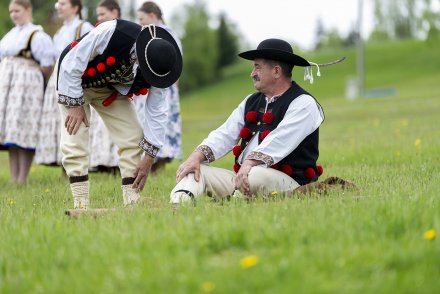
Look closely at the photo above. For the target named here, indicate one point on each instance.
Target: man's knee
(257, 177)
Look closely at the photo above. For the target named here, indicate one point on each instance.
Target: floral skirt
(48, 148)
(21, 102)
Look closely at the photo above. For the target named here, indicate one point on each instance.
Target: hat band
(152, 29)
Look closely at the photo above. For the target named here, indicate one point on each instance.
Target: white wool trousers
(121, 120)
(219, 182)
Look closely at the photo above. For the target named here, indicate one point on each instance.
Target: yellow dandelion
(248, 261)
(12, 201)
(274, 193)
(418, 142)
(47, 190)
(82, 206)
(208, 287)
(429, 235)
(33, 169)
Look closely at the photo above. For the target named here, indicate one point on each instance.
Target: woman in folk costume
(103, 151)
(150, 13)
(26, 58)
(48, 148)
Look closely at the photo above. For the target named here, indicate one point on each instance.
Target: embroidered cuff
(149, 148)
(69, 101)
(268, 160)
(206, 150)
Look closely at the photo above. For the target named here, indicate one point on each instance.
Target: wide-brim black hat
(159, 56)
(275, 49)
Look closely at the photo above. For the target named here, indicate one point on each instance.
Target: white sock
(80, 192)
(129, 195)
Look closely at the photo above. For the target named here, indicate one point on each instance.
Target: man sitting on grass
(276, 128)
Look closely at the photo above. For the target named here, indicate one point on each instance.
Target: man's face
(262, 75)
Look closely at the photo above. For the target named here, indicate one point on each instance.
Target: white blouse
(75, 63)
(302, 118)
(67, 33)
(41, 46)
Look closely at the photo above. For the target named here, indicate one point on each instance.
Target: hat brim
(159, 82)
(274, 54)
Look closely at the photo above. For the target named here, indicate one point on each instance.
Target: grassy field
(367, 241)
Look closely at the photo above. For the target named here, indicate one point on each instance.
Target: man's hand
(141, 172)
(191, 165)
(242, 180)
(75, 116)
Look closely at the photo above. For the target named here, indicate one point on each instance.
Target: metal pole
(360, 51)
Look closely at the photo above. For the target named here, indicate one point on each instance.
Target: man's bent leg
(120, 118)
(263, 181)
(76, 158)
(216, 181)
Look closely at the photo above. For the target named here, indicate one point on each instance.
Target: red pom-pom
(74, 44)
(252, 116)
(245, 133)
(236, 168)
(309, 173)
(91, 72)
(137, 93)
(85, 75)
(264, 134)
(98, 23)
(268, 117)
(275, 166)
(100, 67)
(130, 95)
(110, 61)
(236, 150)
(287, 169)
(143, 91)
(320, 169)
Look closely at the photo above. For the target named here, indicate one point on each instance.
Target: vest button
(258, 123)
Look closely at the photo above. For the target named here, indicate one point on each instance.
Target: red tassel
(287, 169)
(236, 168)
(320, 169)
(110, 60)
(110, 99)
(267, 117)
(309, 173)
(252, 116)
(100, 67)
(236, 150)
(143, 91)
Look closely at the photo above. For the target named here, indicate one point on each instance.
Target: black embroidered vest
(300, 164)
(113, 65)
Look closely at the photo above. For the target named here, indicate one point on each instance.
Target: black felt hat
(275, 49)
(159, 56)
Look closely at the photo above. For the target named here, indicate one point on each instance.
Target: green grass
(366, 241)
